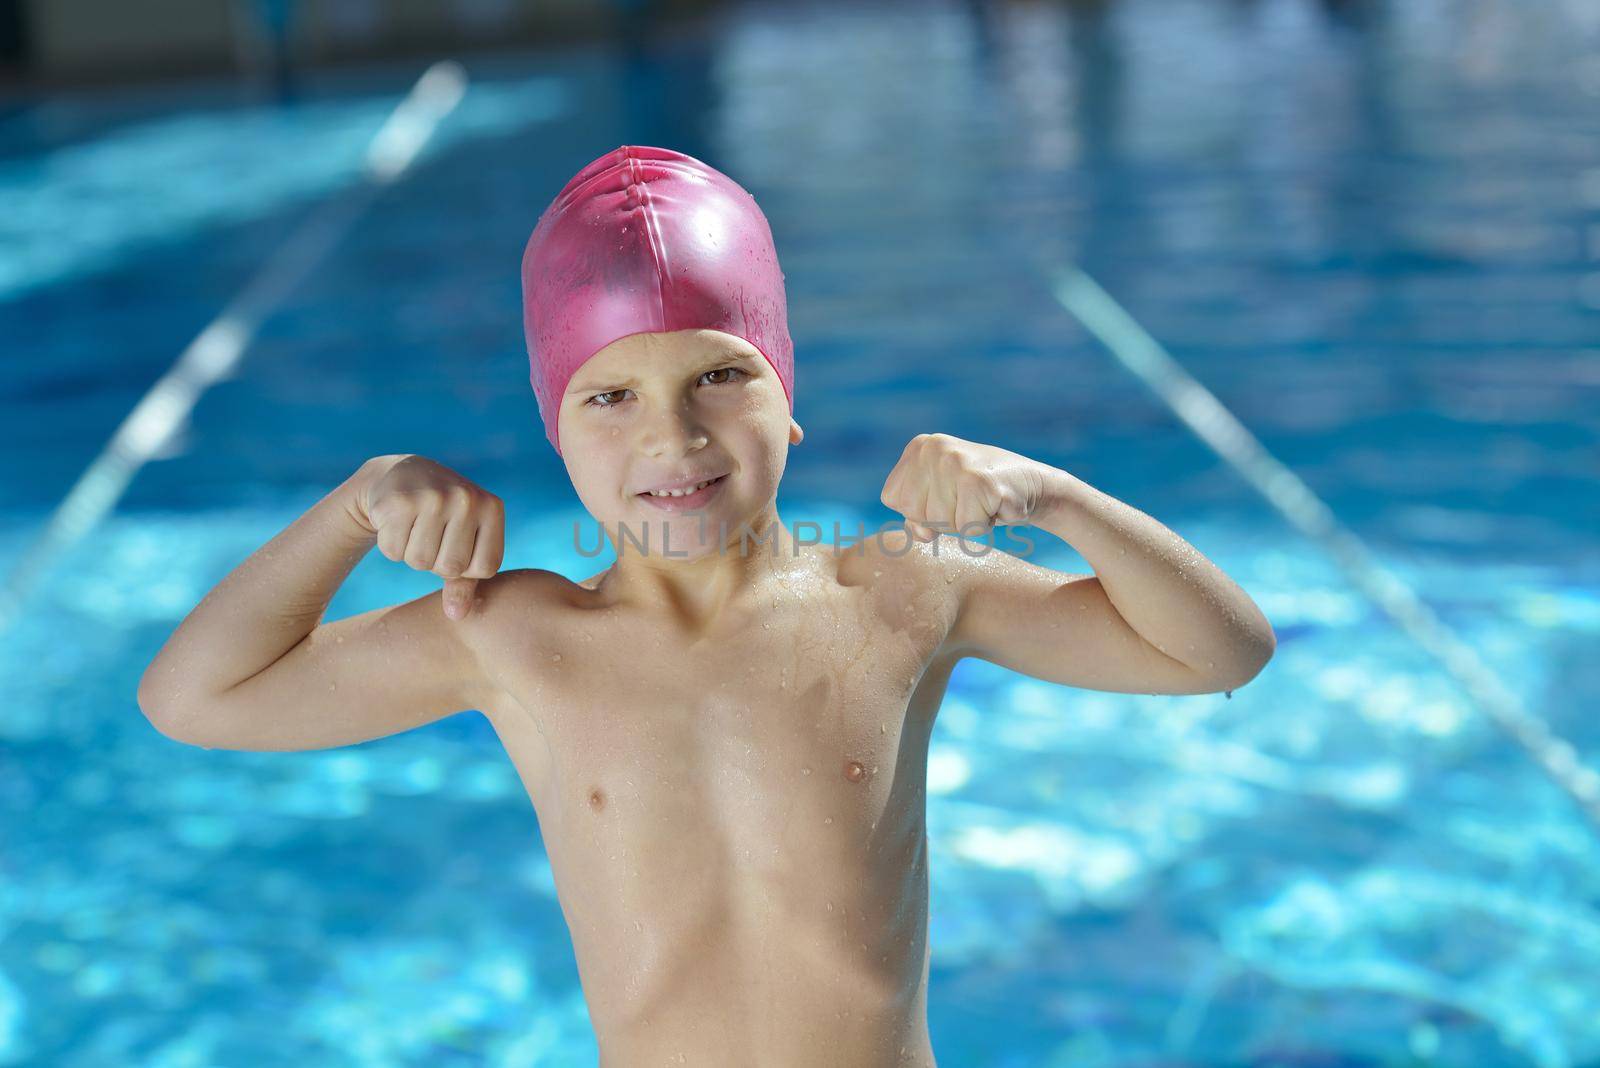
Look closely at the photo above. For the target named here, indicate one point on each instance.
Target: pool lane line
(216, 350)
(1215, 425)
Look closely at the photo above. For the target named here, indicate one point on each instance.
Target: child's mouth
(687, 501)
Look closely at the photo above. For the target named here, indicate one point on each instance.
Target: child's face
(651, 409)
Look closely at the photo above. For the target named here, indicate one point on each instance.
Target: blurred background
(245, 246)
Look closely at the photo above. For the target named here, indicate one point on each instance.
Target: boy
(724, 734)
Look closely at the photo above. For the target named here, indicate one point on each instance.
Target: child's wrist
(1063, 492)
(356, 488)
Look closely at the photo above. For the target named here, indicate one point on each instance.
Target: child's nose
(671, 430)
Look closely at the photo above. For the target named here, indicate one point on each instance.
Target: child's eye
(599, 401)
(606, 404)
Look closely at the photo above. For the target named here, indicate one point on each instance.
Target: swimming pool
(1376, 239)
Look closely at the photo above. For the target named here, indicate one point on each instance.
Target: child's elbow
(152, 706)
(170, 722)
(161, 718)
(1260, 655)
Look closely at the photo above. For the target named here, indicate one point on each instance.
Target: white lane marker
(1219, 428)
(216, 351)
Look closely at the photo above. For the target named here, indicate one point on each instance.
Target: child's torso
(735, 822)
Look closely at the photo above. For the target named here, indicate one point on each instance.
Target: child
(724, 734)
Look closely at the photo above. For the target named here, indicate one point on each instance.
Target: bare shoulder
(513, 615)
(519, 604)
(511, 592)
(937, 566)
(916, 586)
(944, 580)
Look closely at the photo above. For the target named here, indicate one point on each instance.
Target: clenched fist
(945, 484)
(435, 520)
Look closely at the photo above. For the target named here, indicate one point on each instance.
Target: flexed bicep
(352, 680)
(1060, 627)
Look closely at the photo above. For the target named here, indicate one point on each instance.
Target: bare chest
(736, 733)
(739, 811)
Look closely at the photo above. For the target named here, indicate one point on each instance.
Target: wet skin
(735, 818)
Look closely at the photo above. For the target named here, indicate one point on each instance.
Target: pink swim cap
(645, 240)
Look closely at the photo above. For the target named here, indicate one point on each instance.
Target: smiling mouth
(686, 492)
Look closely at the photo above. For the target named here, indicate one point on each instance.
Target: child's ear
(796, 435)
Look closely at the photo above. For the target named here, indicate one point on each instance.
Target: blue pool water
(1376, 237)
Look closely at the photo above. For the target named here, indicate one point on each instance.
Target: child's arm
(251, 668)
(1155, 617)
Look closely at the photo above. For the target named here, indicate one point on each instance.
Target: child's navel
(597, 799)
(854, 771)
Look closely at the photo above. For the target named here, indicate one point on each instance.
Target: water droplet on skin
(830, 906)
(556, 657)
(805, 771)
(339, 639)
(1228, 694)
(828, 820)
(332, 686)
(883, 728)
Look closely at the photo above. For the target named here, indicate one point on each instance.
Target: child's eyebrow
(719, 359)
